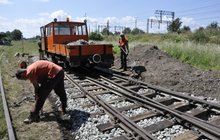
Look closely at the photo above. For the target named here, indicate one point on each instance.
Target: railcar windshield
(62, 28)
(69, 29)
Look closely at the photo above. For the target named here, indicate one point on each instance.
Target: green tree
(213, 25)
(16, 34)
(105, 31)
(127, 30)
(95, 36)
(137, 31)
(174, 27)
(2, 35)
(185, 29)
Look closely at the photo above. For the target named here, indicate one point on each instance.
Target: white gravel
(147, 122)
(134, 112)
(122, 104)
(144, 90)
(108, 96)
(170, 133)
(83, 127)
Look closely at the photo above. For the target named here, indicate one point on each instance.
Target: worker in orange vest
(123, 45)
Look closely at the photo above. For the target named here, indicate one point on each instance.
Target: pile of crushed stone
(165, 71)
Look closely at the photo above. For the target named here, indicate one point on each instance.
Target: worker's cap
(121, 34)
(19, 73)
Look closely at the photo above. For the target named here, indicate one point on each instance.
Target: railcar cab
(62, 32)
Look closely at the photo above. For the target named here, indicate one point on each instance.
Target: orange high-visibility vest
(123, 42)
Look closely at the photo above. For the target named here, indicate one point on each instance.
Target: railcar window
(61, 29)
(84, 30)
(64, 29)
(79, 29)
(74, 29)
(56, 29)
(42, 29)
(49, 30)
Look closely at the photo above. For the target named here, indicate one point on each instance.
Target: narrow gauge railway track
(159, 110)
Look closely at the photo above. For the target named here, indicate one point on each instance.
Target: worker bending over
(45, 76)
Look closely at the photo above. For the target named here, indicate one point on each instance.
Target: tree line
(7, 37)
(210, 33)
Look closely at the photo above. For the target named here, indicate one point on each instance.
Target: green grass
(3, 126)
(9, 63)
(204, 56)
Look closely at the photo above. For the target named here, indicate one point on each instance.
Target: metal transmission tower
(161, 14)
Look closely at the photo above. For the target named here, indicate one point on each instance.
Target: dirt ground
(167, 72)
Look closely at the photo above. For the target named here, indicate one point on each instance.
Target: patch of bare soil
(167, 72)
(47, 128)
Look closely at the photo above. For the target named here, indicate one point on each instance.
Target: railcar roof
(72, 22)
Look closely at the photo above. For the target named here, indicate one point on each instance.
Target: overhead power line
(200, 13)
(208, 6)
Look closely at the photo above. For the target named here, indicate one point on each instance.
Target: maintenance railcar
(68, 42)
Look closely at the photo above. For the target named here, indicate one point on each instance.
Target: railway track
(11, 133)
(111, 106)
(136, 110)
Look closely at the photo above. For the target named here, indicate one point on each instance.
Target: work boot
(65, 117)
(32, 118)
(121, 67)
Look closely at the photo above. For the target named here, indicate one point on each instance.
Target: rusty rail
(11, 133)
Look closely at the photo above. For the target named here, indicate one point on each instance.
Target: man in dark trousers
(41, 55)
(45, 76)
(123, 45)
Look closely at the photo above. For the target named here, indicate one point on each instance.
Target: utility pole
(148, 25)
(108, 27)
(135, 22)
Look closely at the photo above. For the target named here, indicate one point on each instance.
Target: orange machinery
(68, 42)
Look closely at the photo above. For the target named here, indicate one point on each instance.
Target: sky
(29, 15)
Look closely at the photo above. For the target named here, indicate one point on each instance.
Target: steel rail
(160, 89)
(213, 133)
(131, 125)
(11, 133)
(179, 95)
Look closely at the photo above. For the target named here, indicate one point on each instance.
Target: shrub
(95, 36)
(200, 36)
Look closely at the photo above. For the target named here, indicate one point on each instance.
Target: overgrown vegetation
(96, 36)
(3, 127)
(197, 53)
(200, 48)
(204, 56)
(8, 63)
